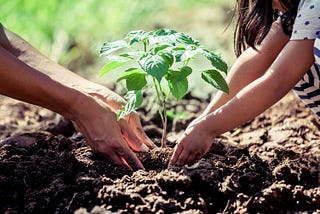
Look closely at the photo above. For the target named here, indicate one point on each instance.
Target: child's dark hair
(255, 18)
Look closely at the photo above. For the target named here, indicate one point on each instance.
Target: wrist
(66, 101)
(209, 127)
(204, 126)
(106, 95)
(77, 103)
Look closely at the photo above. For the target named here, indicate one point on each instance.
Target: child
(278, 47)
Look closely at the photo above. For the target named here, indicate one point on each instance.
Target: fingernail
(144, 148)
(136, 168)
(151, 143)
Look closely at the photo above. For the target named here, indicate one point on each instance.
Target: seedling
(160, 59)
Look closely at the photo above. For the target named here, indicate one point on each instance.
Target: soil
(268, 165)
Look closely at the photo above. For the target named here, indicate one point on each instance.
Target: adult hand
(115, 102)
(96, 119)
(90, 106)
(193, 144)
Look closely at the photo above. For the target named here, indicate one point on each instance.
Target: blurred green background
(71, 32)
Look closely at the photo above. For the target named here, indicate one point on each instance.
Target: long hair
(254, 20)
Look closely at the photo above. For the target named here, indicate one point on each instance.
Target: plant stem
(164, 120)
(145, 46)
(162, 108)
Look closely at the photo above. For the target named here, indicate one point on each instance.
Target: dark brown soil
(269, 165)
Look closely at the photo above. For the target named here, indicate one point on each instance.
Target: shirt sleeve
(307, 22)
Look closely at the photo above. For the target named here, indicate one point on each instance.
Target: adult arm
(29, 76)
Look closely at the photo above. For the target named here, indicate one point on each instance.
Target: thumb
(131, 138)
(136, 126)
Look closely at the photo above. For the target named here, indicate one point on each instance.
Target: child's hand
(193, 144)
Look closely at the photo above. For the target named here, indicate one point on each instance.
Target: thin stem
(187, 62)
(165, 119)
(145, 46)
(162, 108)
(158, 96)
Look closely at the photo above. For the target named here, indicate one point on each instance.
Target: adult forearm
(27, 54)
(22, 82)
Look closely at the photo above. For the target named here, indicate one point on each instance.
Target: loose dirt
(268, 165)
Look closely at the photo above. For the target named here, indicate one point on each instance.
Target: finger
(135, 123)
(124, 163)
(176, 154)
(115, 158)
(129, 158)
(123, 156)
(193, 158)
(131, 138)
(144, 137)
(109, 154)
(183, 157)
(119, 154)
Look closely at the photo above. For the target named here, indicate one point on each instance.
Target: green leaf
(183, 73)
(137, 36)
(135, 78)
(162, 40)
(185, 39)
(173, 115)
(188, 54)
(214, 78)
(178, 82)
(126, 57)
(177, 52)
(172, 37)
(171, 53)
(155, 65)
(165, 32)
(163, 37)
(120, 58)
(167, 56)
(215, 60)
(178, 88)
(109, 47)
(111, 66)
(160, 48)
(134, 100)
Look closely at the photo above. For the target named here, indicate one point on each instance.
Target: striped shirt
(307, 26)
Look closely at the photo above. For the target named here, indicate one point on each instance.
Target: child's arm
(251, 65)
(288, 68)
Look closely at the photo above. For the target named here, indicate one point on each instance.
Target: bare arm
(28, 75)
(23, 82)
(23, 51)
(288, 68)
(251, 65)
(30, 56)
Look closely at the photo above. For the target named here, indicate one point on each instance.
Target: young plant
(160, 59)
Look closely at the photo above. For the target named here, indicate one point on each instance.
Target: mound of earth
(268, 165)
